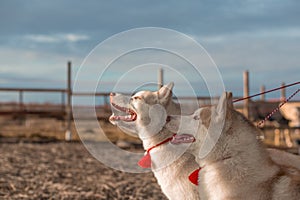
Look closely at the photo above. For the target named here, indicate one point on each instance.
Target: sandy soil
(59, 170)
(35, 127)
(35, 165)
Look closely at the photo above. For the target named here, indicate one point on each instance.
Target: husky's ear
(222, 105)
(165, 93)
(225, 102)
(217, 124)
(229, 99)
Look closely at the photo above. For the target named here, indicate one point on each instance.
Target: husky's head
(144, 112)
(206, 124)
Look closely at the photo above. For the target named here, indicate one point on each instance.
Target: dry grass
(67, 171)
(34, 127)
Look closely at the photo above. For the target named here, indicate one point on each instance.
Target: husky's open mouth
(129, 114)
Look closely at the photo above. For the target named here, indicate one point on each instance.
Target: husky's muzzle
(124, 113)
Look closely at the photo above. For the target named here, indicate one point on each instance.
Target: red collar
(145, 161)
(194, 176)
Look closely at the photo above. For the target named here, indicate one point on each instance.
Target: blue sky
(37, 38)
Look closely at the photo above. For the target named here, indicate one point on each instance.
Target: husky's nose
(168, 118)
(112, 94)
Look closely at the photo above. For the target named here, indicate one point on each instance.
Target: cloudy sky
(37, 38)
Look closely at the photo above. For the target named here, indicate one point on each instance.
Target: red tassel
(145, 161)
(193, 177)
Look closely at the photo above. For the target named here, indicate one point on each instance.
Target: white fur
(238, 166)
(170, 165)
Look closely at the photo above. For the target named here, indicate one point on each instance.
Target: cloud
(109, 17)
(27, 68)
(38, 37)
(56, 38)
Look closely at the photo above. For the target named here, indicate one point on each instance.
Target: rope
(265, 92)
(277, 109)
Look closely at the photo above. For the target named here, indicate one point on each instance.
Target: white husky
(144, 114)
(237, 166)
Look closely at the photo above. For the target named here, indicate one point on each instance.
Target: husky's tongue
(182, 138)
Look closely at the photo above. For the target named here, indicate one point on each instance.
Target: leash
(277, 109)
(268, 91)
(265, 92)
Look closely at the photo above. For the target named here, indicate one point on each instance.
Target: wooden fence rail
(64, 111)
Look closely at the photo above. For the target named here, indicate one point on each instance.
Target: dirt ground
(59, 170)
(35, 163)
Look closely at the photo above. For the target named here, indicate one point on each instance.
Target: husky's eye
(137, 98)
(196, 117)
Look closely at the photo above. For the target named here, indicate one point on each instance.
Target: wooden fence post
(68, 134)
(21, 101)
(246, 93)
(262, 90)
(283, 95)
(21, 107)
(160, 78)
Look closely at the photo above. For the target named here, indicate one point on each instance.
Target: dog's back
(285, 181)
(287, 184)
